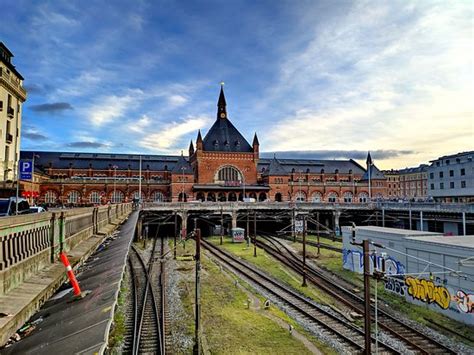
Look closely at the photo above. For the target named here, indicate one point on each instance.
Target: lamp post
(140, 183)
(182, 185)
(114, 197)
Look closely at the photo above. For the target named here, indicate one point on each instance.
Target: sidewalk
(81, 326)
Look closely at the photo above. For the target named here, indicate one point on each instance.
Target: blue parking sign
(26, 169)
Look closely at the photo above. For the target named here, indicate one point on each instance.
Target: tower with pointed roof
(224, 160)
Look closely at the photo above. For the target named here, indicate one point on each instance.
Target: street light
(114, 197)
(182, 185)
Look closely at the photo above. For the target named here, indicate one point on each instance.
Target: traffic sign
(26, 170)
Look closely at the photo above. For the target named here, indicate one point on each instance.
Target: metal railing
(29, 242)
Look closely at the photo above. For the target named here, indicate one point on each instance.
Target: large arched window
(50, 197)
(228, 174)
(117, 196)
(316, 197)
(300, 196)
(363, 197)
(94, 197)
(332, 197)
(73, 196)
(157, 196)
(348, 197)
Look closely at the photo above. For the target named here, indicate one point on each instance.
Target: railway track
(412, 338)
(334, 329)
(312, 243)
(146, 314)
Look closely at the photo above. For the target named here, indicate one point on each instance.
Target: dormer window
(322, 171)
(336, 171)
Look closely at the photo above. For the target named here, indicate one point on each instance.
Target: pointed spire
(221, 104)
(199, 143)
(191, 148)
(255, 140)
(369, 159)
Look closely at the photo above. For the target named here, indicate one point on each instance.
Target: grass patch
(228, 326)
(273, 268)
(116, 335)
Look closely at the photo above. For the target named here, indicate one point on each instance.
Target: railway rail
(146, 324)
(312, 243)
(413, 339)
(335, 329)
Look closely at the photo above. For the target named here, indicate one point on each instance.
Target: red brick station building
(222, 166)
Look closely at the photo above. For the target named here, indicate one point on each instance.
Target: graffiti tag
(464, 301)
(395, 286)
(426, 291)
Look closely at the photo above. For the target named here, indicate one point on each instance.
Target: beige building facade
(12, 96)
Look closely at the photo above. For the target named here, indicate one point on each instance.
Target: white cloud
(168, 136)
(177, 100)
(384, 77)
(109, 108)
(140, 125)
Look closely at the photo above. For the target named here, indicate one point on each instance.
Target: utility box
(238, 235)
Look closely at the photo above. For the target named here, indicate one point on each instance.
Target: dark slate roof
(275, 169)
(9, 65)
(315, 166)
(418, 169)
(375, 173)
(62, 160)
(182, 167)
(224, 137)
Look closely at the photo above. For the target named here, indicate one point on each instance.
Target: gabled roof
(275, 169)
(375, 173)
(182, 167)
(99, 161)
(224, 137)
(315, 166)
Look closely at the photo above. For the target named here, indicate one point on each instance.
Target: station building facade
(222, 166)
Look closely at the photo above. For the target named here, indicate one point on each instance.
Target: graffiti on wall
(464, 301)
(427, 291)
(396, 286)
(354, 261)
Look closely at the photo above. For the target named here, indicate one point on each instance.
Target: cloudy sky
(324, 79)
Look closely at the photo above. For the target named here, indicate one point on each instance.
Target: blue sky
(324, 79)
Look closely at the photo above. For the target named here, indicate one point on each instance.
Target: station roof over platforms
(99, 161)
(314, 166)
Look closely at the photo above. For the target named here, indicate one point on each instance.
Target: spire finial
(221, 104)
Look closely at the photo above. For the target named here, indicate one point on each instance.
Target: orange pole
(70, 274)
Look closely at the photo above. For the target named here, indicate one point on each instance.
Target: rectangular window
(432, 186)
(447, 162)
(451, 184)
(441, 174)
(463, 172)
(1, 105)
(451, 172)
(441, 185)
(431, 175)
(463, 184)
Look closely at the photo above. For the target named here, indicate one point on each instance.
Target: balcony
(9, 138)
(10, 112)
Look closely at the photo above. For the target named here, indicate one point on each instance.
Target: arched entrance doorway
(278, 197)
(200, 196)
(232, 196)
(211, 197)
(221, 197)
(262, 196)
(182, 197)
